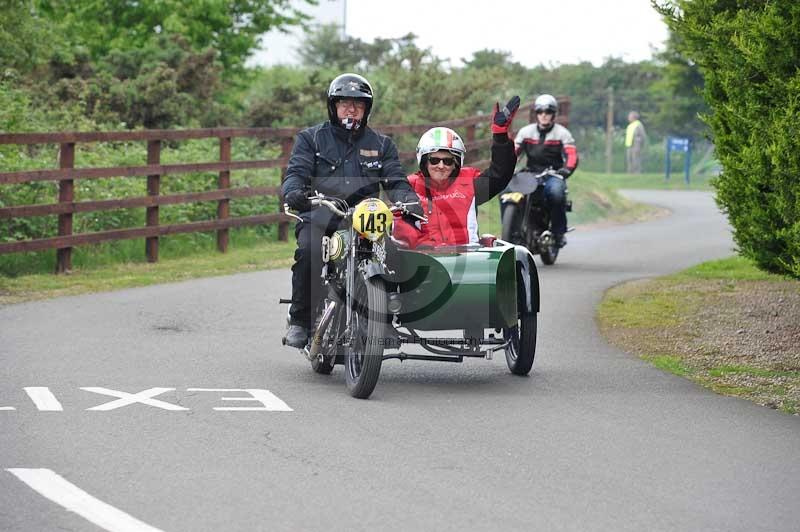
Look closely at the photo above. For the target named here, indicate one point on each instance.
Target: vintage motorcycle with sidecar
(381, 298)
(526, 218)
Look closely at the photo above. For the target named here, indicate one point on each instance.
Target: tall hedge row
(749, 53)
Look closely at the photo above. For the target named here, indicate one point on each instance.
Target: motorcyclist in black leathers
(344, 158)
(550, 145)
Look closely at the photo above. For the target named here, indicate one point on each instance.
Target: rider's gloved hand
(416, 209)
(298, 200)
(564, 172)
(501, 120)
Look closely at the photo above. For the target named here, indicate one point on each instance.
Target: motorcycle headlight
(372, 219)
(511, 197)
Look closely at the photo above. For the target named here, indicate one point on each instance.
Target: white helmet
(441, 138)
(546, 102)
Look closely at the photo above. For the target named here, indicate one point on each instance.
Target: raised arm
(495, 178)
(504, 156)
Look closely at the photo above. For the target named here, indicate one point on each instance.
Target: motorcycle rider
(343, 158)
(449, 192)
(550, 145)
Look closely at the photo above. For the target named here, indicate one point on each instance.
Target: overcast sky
(534, 31)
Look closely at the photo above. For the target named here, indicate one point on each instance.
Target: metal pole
(344, 20)
(688, 161)
(667, 162)
(609, 129)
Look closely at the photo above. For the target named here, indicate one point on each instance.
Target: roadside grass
(723, 324)
(595, 198)
(208, 263)
(116, 265)
(651, 181)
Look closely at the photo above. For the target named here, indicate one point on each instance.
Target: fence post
(286, 151)
(223, 182)
(153, 189)
(66, 194)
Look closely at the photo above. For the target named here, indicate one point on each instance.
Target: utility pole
(344, 20)
(609, 129)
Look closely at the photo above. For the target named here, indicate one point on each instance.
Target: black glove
(298, 200)
(415, 209)
(502, 118)
(564, 172)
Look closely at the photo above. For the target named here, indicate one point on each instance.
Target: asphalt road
(109, 414)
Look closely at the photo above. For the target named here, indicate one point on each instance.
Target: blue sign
(679, 144)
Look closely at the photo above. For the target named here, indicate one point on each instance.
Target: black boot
(296, 336)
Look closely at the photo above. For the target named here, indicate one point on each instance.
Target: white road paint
(269, 401)
(74, 499)
(44, 399)
(126, 398)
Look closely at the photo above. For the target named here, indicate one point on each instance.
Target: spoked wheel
(363, 359)
(509, 223)
(522, 349)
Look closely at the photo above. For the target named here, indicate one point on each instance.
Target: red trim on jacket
(572, 157)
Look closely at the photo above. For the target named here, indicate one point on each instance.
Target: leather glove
(502, 118)
(564, 172)
(415, 209)
(298, 200)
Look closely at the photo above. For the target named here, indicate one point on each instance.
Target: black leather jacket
(337, 163)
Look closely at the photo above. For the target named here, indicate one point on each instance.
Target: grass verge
(723, 324)
(127, 275)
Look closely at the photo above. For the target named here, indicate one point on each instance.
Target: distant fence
(66, 175)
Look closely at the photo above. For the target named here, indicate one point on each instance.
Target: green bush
(749, 53)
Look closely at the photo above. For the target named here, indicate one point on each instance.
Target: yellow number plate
(372, 219)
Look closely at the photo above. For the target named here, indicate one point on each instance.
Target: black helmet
(349, 86)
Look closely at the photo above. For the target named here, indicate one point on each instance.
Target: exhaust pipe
(316, 340)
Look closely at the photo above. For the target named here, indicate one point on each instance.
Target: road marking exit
(251, 399)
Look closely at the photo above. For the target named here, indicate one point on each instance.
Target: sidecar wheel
(521, 352)
(363, 358)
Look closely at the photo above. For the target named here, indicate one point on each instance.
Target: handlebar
(548, 172)
(334, 205)
(320, 200)
(402, 207)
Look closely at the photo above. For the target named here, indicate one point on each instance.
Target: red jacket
(451, 211)
(451, 208)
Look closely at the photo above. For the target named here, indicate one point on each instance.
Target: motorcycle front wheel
(509, 223)
(549, 254)
(364, 356)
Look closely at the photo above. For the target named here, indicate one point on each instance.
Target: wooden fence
(66, 175)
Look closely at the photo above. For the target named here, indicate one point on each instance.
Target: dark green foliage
(230, 27)
(749, 53)
(90, 65)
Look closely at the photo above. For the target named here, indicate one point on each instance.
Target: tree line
(728, 72)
